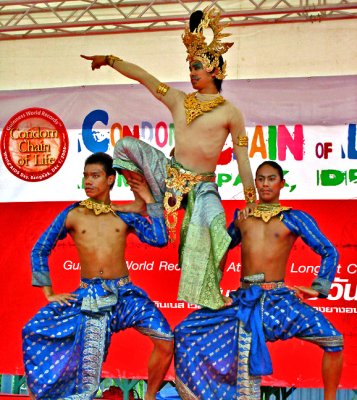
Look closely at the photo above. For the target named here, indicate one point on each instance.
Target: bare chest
(85, 225)
(207, 133)
(267, 232)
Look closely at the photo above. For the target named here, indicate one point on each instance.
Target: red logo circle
(34, 144)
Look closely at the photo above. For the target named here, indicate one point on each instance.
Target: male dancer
(203, 120)
(221, 354)
(66, 342)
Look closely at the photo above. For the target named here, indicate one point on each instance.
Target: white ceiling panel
(23, 19)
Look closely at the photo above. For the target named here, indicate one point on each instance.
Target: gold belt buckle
(123, 281)
(268, 286)
(272, 285)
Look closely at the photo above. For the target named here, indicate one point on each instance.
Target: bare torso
(199, 144)
(265, 247)
(100, 242)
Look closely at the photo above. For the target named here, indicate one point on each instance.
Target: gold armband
(249, 194)
(242, 141)
(110, 60)
(162, 89)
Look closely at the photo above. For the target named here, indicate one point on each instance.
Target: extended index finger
(87, 57)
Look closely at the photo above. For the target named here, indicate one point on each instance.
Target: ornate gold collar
(195, 107)
(97, 207)
(266, 211)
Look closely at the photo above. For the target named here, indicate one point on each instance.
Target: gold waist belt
(264, 285)
(182, 182)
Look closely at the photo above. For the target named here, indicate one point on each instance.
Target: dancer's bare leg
(159, 363)
(32, 397)
(331, 373)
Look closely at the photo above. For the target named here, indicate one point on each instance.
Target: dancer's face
(200, 78)
(96, 182)
(268, 184)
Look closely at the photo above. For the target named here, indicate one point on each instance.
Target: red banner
(296, 363)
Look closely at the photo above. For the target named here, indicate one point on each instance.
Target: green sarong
(203, 238)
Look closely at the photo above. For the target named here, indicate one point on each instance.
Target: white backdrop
(307, 125)
(283, 50)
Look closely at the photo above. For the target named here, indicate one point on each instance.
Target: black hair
(274, 165)
(105, 160)
(195, 19)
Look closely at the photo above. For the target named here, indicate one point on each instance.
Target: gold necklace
(97, 207)
(266, 211)
(195, 107)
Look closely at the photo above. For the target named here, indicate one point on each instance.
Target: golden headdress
(195, 41)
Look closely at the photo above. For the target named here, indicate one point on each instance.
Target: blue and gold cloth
(221, 354)
(203, 238)
(64, 346)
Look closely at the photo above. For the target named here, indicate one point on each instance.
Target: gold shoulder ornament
(97, 207)
(194, 107)
(267, 211)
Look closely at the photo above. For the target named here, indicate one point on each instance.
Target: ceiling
(23, 19)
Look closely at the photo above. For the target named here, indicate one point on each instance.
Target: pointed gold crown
(198, 49)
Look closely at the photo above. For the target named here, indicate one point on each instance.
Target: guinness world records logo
(34, 144)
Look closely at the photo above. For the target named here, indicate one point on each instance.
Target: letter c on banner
(93, 140)
(352, 269)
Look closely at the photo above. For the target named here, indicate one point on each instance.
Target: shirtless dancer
(66, 342)
(203, 120)
(222, 354)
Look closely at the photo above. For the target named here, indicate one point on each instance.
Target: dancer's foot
(227, 301)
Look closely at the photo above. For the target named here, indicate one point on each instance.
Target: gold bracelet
(249, 194)
(110, 60)
(162, 89)
(242, 141)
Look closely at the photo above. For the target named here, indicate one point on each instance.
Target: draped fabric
(64, 346)
(221, 354)
(203, 240)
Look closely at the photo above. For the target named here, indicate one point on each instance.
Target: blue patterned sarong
(285, 316)
(219, 353)
(64, 346)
